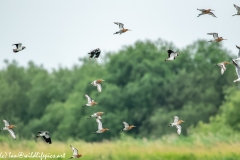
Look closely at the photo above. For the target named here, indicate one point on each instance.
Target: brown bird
(177, 123)
(75, 153)
(98, 84)
(9, 128)
(238, 10)
(216, 38)
(222, 65)
(90, 102)
(206, 11)
(121, 27)
(127, 127)
(100, 128)
(97, 115)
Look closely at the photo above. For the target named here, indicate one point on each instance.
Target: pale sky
(57, 33)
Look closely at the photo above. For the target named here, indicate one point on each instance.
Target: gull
(238, 57)
(216, 38)
(9, 128)
(171, 55)
(96, 115)
(98, 84)
(206, 11)
(90, 102)
(237, 71)
(45, 135)
(222, 65)
(177, 123)
(95, 53)
(75, 153)
(19, 47)
(121, 27)
(100, 128)
(127, 127)
(238, 10)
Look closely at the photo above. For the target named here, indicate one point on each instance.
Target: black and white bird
(45, 135)
(9, 128)
(95, 53)
(237, 67)
(19, 47)
(238, 10)
(171, 55)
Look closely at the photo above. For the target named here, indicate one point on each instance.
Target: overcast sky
(57, 32)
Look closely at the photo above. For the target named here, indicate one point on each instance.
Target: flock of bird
(98, 83)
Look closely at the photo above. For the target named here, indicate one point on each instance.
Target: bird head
(23, 47)
(133, 126)
(128, 30)
(107, 129)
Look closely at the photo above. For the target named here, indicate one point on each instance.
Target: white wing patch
(178, 129)
(99, 124)
(88, 98)
(99, 87)
(75, 151)
(176, 119)
(126, 125)
(6, 123)
(12, 133)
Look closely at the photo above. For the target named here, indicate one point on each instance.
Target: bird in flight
(177, 123)
(171, 55)
(9, 128)
(19, 47)
(121, 27)
(216, 38)
(95, 53)
(75, 153)
(206, 11)
(45, 135)
(127, 127)
(238, 10)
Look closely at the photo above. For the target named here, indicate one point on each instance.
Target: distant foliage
(140, 88)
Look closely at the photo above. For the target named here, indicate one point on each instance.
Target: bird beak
(129, 30)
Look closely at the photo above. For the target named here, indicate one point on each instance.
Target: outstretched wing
(99, 87)
(176, 118)
(75, 151)
(12, 133)
(210, 13)
(126, 125)
(99, 124)
(97, 53)
(215, 35)
(223, 68)
(6, 123)
(237, 8)
(203, 10)
(88, 98)
(121, 25)
(238, 72)
(18, 45)
(238, 51)
(179, 128)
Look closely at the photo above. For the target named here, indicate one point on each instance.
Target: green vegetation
(139, 88)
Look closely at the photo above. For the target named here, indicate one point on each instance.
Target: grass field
(171, 147)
